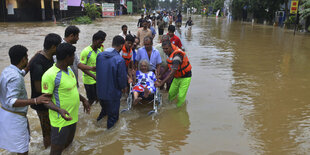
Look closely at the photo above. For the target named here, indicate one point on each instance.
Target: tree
(261, 9)
(305, 13)
(218, 5)
(192, 3)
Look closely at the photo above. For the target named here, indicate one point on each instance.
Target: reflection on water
(271, 80)
(248, 93)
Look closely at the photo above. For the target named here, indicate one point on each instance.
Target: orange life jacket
(127, 56)
(174, 47)
(184, 68)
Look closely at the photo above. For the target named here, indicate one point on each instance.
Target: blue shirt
(154, 60)
(12, 87)
(134, 53)
(153, 30)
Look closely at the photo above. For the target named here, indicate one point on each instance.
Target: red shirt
(176, 41)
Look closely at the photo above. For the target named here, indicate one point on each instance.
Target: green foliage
(149, 4)
(91, 11)
(305, 12)
(81, 20)
(261, 9)
(193, 3)
(218, 5)
(291, 20)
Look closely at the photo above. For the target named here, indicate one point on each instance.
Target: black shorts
(91, 91)
(64, 135)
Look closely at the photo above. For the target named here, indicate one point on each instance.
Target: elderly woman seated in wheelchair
(144, 89)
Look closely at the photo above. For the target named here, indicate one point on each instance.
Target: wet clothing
(45, 126)
(91, 91)
(145, 80)
(176, 41)
(62, 136)
(62, 85)
(179, 88)
(112, 78)
(14, 132)
(154, 59)
(110, 108)
(89, 57)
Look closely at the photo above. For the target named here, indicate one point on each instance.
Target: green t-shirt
(88, 57)
(102, 47)
(63, 87)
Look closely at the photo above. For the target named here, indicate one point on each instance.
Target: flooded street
(248, 95)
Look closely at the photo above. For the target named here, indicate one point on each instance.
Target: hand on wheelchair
(158, 83)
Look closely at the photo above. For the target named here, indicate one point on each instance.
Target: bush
(91, 11)
(81, 20)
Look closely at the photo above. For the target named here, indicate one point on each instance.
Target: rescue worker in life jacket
(180, 68)
(127, 53)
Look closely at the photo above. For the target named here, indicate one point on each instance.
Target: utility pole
(297, 19)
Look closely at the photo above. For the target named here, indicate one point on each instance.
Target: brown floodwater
(248, 93)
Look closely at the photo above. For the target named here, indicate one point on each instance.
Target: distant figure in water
(189, 23)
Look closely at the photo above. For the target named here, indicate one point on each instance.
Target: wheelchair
(156, 99)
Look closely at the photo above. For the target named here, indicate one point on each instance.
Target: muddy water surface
(248, 95)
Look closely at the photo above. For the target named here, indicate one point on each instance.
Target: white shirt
(123, 35)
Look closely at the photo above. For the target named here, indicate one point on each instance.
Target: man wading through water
(59, 81)
(181, 70)
(14, 127)
(41, 62)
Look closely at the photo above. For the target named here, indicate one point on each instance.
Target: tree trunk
(286, 10)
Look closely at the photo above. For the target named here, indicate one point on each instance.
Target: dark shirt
(179, 18)
(140, 22)
(189, 23)
(153, 18)
(39, 65)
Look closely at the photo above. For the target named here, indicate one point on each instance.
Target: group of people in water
(107, 73)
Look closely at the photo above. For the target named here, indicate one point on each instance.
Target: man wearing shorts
(88, 58)
(59, 81)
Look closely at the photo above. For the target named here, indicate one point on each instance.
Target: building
(39, 10)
